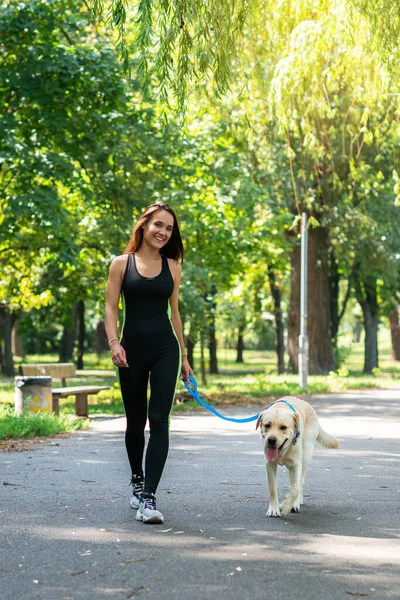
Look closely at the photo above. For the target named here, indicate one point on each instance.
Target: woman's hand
(186, 369)
(118, 355)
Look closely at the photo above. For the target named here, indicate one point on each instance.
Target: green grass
(31, 425)
(253, 382)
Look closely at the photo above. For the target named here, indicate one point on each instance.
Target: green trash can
(33, 394)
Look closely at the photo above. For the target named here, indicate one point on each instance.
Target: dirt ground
(24, 444)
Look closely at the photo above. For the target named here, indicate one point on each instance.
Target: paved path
(67, 530)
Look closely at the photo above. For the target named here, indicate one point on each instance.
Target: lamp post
(303, 338)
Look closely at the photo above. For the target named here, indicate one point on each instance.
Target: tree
(322, 124)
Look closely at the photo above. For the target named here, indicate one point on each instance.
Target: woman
(148, 276)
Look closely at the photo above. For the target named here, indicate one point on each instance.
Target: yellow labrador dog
(289, 429)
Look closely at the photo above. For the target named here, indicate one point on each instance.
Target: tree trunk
(371, 339)
(17, 344)
(240, 345)
(67, 344)
(101, 341)
(334, 279)
(336, 312)
(68, 338)
(190, 350)
(202, 361)
(2, 309)
(212, 340)
(7, 359)
(395, 331)
(279, 325)
(318, 306)
(81, 333)
(212, 347)
(357, 332)
(368, 300)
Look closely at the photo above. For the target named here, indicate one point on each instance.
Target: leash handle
(194, 393)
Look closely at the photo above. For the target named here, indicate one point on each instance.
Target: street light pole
(303, 338)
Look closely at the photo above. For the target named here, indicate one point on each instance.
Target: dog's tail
(326, 439)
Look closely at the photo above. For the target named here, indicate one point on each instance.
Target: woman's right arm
(113, 293)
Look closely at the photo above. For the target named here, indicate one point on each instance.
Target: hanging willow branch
(179, 41)
(384, 18)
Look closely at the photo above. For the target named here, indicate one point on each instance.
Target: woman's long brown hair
(172, 249)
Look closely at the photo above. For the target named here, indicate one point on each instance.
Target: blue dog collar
(296, 435)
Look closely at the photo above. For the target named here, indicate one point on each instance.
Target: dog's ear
(259, 420)
(296, 420)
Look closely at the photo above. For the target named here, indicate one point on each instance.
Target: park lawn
(251, 383)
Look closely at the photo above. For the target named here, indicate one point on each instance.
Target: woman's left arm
(176, 319)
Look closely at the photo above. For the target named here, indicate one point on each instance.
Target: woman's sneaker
(147, 511)
(137, 490)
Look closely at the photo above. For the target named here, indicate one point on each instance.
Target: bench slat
(55, 370)
(81, 397)
(83, 389)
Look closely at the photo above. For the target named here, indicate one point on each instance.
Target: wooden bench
(62, 371)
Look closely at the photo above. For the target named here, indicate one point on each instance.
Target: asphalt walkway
(67, 531)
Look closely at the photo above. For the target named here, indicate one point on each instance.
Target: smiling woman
(147, 276)
(157, 222)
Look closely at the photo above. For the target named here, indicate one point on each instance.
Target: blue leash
(196, 396)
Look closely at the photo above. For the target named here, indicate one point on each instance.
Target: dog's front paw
(296, 504)
(285, 509)
(273, 511)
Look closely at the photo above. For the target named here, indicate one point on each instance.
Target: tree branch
(66, 35)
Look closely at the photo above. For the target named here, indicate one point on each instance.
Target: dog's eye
(267, 426)
(283, 427)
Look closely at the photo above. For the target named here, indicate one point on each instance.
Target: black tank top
(146, 301)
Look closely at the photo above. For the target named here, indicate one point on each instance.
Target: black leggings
(161, 360)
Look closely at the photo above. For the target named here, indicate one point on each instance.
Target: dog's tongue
(272, 454)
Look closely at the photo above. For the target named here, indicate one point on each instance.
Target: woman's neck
(147, 253)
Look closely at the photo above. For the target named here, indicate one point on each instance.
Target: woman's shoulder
(118, 262)
(175, 267)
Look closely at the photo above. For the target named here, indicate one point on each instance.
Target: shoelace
(137, 485)
(150, 502)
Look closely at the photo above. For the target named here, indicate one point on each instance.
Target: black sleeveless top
(146, 301)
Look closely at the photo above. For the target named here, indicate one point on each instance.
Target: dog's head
(278, 425)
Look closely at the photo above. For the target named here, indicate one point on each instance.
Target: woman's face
(159, 229)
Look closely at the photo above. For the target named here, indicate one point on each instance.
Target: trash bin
(33, 394)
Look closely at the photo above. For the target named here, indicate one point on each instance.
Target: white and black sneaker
(147, 511)
(137, 490)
